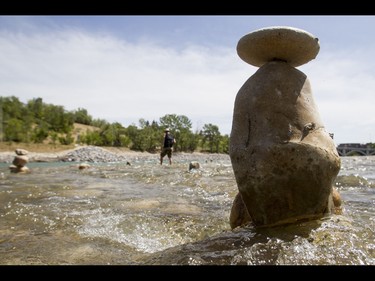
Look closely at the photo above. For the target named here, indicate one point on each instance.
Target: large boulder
(283, 159)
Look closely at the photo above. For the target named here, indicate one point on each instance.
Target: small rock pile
(20, 161)
(92, 154)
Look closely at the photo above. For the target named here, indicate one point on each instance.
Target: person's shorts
(166, 151)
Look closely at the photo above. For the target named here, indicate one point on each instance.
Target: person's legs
(169, 153)
(162, 154)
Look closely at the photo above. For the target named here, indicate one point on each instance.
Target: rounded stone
(194, 165)
(20, 160)
(19, 169)
(292, 45)
(83, 166)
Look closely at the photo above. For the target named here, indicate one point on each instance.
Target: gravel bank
(80, 154)
(95, 154)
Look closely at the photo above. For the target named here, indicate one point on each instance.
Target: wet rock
(337, 202)
(239, 215)
(194, 165)
(352, 180)
(19, 169)
(83, 166)
(20, 160)
(284, 160)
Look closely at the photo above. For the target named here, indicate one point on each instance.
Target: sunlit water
(145, 213)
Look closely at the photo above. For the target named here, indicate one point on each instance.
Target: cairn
(284, 160)
(20, 161)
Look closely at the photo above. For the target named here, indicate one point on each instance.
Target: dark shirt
(168, 140)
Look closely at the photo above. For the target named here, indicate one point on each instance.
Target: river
(148, 214)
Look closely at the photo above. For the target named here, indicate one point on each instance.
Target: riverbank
(47, 153)
(74, 153)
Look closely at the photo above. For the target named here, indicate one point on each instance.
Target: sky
(124, 68)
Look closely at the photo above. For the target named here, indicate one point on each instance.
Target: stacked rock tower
(20, 161)
(284, 160)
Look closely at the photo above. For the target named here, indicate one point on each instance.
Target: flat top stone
(20, 151)
(292, 45)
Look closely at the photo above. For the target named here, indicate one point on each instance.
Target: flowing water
(145, 213)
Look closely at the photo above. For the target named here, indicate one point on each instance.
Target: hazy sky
(123, 68)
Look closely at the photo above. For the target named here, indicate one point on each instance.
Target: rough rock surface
(292, 45)
(283, 159)
(239, 215)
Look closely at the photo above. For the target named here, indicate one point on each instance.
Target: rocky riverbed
(95, 154)
(92, 154)
(148, 214)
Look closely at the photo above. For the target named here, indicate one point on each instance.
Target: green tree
(81, 116)
(36, 120)
(36, 106)
(58, 120)
(180, 127)
(14, 130)
(40, 132)
(67, 139)
(54, 137)
(151, 135)
(192, 141)
(133, 132)
(113, 134)
(91, 138)
(211, 135)
(138, 138)
(224, 144)
(100, 123)
(146, 137)
(107, 135)
(12, 108)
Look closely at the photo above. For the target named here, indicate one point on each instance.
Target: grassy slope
(47, 146)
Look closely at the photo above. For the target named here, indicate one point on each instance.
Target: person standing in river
(167, 146)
